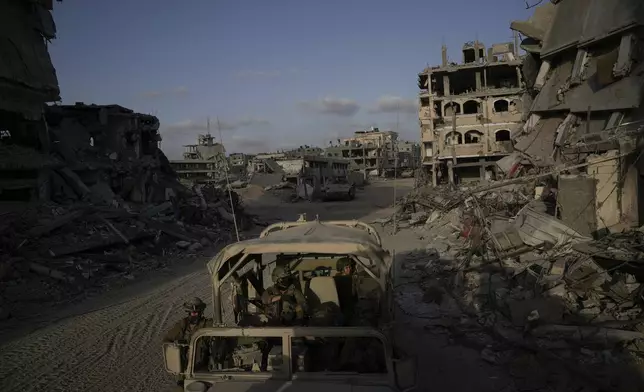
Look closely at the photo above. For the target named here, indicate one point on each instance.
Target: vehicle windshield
(275, 355)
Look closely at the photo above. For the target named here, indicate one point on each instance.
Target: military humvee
(355, 351)
(338, 189)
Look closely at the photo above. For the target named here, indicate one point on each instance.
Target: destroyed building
(202, 162)
(373, 151)
(408, 154)
(27, 75)
(469, 110)
(239, 159)
(584, 71)
(108, 152)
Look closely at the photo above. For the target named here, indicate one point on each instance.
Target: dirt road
(113, 343)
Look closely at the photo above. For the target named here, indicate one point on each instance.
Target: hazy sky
(277, 73)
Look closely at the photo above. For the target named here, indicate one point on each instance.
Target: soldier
(182, 331)
(284, 302)
(345, 266)
(346, 282)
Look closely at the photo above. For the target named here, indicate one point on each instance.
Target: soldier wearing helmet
(345, 266)
(285, 303)
(182, 331)
(346, 281)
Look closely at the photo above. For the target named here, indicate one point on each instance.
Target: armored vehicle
(345, 341)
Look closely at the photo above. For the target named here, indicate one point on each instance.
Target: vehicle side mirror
(172, 358)
(405, 373)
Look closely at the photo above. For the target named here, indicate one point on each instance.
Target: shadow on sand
(479, 340)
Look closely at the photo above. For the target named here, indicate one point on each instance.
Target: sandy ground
(112, 343)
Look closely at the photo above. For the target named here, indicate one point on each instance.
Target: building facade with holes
(468, 111)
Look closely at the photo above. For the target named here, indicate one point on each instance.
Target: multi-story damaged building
(93, 152)
(469, 110)
(585, 71)
(372, 151)
(202, 162)
(408, 154)
(239, 159)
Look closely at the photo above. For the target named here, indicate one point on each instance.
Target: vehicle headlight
(196, 386)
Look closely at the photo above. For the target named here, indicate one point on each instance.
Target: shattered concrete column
(478, 81)
(541, 76)
(631, 196)
(434, 174)
(482, 169)
(564, 127)
(622, 66)
(446, 90)
(450, 172)
(606, 174)
(580, 64)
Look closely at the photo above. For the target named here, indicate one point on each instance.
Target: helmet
(280, 274)
(344, 262)
(195, 305)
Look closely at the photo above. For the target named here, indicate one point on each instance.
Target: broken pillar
(576, 203)
(450, 172)
(542, 75)
(606, 174)
(482, 169)
(631, 196)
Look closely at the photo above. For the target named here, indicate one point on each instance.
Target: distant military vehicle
(338, 189)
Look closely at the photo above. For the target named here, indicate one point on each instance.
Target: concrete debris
(508, 263)
(101, 203)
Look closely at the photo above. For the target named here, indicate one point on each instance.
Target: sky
(268, 73)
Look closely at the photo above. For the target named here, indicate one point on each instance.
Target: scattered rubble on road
(285, 191)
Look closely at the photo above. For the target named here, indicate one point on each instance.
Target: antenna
(230, 192)
(396, 166)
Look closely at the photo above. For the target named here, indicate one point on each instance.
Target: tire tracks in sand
(111, 349)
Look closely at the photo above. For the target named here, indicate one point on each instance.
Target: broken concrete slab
(183, 244)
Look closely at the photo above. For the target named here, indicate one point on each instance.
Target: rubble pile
(101, 202)
(81, 243)
(285, 191)
(502, 272)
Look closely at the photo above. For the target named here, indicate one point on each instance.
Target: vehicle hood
(292, 386)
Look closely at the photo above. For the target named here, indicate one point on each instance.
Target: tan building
(469, 111)
(202, 162)
(373, 150)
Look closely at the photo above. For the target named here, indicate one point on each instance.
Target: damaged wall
(587, 96)
(27, 75)
(102, 153)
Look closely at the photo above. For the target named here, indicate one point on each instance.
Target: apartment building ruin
(373, 151)
(202, 162)
(469, 111)
(584, 71)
